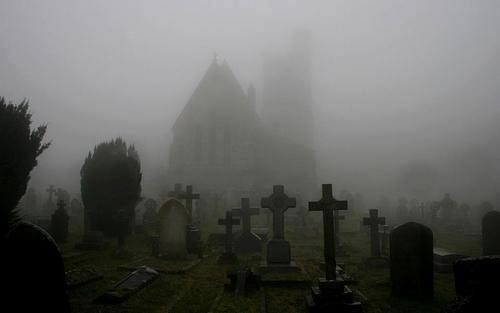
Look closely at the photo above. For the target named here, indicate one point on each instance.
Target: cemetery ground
(197, 285)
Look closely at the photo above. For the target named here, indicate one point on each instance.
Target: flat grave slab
(444, 260)
(82, 276)
(164, 266)
(128, 286)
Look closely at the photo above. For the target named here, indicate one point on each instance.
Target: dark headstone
(59, 223)
(278, 251)
(491, 233)
(34, 275)
(373, 221)
(411, 261)
(476, 284)
(332, 293)
(228, 256)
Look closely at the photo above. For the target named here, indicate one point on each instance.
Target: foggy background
(406, 93)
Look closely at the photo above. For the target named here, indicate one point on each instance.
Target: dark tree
(111, 187)
(35, 279)
(20, 146)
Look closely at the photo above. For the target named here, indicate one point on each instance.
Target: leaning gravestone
(411, 260)
(491, 233)
(59, 223)
(174, 219)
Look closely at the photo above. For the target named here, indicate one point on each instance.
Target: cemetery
(249, 157)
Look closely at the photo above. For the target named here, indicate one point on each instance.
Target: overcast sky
(394, 82)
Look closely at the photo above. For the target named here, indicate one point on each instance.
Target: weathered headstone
(332, 294)
(59, 223)
(384, 242)
(174, 219)
(373, 221)
(278, 249)
(247, 241)
(411, 261)
(228, 256)
(491, 233)
(339, 247)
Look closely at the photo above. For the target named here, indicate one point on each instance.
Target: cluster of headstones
(413, 260)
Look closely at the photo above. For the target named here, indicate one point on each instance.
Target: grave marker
(228, 256)
(373, 221)
(247, 241)
(412, 272)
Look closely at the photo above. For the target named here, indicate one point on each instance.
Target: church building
(221, 145)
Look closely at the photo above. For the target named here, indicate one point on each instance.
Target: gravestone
(476, 284)
(174, 219)
(373, 221)
(34, 274)
(332, 293)
(150, 216)
(129, 285)
(189, 196)
(339, 247)
(491, 233)
(228, 256)
(444, 260)
(384, 242)
(247, 241)
(411, 261)
(59, 223)
(278, 249)
(48, 206)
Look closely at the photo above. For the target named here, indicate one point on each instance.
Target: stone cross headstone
(174, 219)
(278, 249)
(278, 202)
(247, 241)
(373, 221)
(327, 205)
(189, 196)
(59, 223)
(228, 255)
(332, 294)
(411, 261)
(491, 233)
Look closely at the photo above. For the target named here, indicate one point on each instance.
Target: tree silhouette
(20, 148)
(111, 187)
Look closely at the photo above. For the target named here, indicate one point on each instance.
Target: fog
(404, 91)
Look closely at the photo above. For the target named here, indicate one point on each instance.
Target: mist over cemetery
(246, 216)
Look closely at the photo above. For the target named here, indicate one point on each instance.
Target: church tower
(287, 99)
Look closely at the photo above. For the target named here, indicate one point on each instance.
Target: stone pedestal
(279, 257)
(332, 296)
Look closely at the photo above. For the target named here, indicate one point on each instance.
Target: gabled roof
(218, 92)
